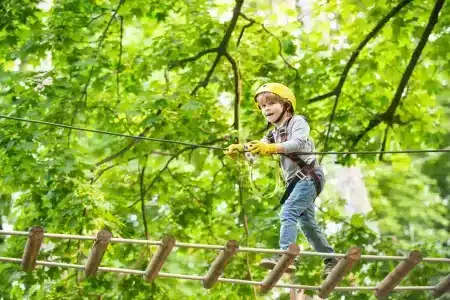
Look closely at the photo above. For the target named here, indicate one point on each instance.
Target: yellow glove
(257, 147)
(233, 150)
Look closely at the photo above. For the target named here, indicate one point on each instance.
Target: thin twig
(383, 145)
(120, 60)
(91, 71)
(280, 45)
(237, 89)
(204, 82)
(241, 34)
(99, 46)
(182, 62)
(142, 194)
(96, 17)
(280, 53)
(129, 146)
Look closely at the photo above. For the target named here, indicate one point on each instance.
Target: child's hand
(257, 147)
(233, 150)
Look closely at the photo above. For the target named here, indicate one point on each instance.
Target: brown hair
(268, 96)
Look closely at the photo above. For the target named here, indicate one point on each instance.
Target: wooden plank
(397, 275)
(219, 264)
(293, 295)
(32, 247)
(159, 258)
(97, 252)
(442, 287)
(280, 268)
(342, 268)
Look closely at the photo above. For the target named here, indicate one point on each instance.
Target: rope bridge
(390, 283)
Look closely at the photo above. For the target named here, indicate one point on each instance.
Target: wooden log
(32, 247)
(219, 264)
(442, 287)
(159, 258)
(97, 252)
(342, 268)
(280, 268)
(397, 275)
(293, 294)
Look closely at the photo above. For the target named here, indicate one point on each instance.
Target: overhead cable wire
(212, 147)
(219, 247)
(110, 133)
(220, 279)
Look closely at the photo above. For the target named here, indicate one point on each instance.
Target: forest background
(368, 76)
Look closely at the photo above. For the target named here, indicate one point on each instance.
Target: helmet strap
(285, 108)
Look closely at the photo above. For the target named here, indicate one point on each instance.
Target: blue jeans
(299, 209)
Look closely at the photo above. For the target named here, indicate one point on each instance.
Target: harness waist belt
(307, 172)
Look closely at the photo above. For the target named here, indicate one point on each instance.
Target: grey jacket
(298, 140)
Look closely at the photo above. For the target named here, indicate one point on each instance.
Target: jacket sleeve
(299, 140)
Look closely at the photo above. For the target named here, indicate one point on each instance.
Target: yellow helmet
(278, 89)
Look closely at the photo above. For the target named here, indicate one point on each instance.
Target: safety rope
(37, 234)
(211, 147)
(255, 190)
(220, 279)
(219, 247)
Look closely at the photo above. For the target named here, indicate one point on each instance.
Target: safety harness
(306, 171)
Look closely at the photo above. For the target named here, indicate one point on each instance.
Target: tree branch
(389, 115)
(91, 71)
(242, 31)
(220, 50)
(99, 46)
(237, 89)
(142, 193)
(157, 176)
(186, 187)
(383, 145)
(280, 53)
(102, 171)
(321, 97)
(204, 82)
(165, 168)
(96, 17)
(372, 124)
(120, 60)
(415, 58)
(124, 149)
(127, 147)
(236, 11)
(280, 49)
(199, 55)
(336, 91)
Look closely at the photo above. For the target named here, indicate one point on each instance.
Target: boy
(302, 173)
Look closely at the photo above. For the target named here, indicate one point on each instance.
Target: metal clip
(250, 157)
(282, 131)
(300, 175)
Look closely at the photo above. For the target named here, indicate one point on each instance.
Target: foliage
(185, 71)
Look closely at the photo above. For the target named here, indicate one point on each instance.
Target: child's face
(271, 107)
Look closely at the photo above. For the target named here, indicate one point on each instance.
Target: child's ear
(288, 106)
